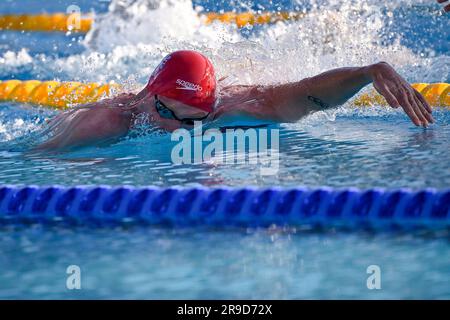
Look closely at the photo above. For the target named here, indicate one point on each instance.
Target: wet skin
(446, 3)
(110, 119)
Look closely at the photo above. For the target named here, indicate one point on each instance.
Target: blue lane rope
(248, 207)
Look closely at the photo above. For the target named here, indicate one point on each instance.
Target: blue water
(210, 264)
(356, 149)
(346, 147)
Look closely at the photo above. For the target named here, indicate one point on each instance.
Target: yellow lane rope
(64, 94)
(250, 18)
(53, 94)
(46, 22)
(75, 22)
(436, 94)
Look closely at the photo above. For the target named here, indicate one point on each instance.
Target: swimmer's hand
(446, 6)
(399, 93)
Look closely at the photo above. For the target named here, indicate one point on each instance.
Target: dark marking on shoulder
(318, 102)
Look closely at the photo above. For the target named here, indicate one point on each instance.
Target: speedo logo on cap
(186, 85)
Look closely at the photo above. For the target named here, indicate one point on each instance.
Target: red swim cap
(185, 76)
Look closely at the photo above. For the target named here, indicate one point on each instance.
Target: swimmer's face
(168, 113)
(181, 110)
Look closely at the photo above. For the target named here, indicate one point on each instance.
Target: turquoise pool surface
(341, 148)
(151, 263)
(348, 147)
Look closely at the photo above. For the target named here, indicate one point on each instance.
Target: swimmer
(446, 5)
(183, 89)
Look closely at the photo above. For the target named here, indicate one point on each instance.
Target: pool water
(150, 263)
(348, 147)
(344, 147)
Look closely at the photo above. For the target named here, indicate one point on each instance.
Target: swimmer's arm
(446, 7)
(335, 87)
(94, 125)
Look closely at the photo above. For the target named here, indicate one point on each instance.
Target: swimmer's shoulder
(108, 115)
(245, 101)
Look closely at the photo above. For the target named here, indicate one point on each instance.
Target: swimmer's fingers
(409, 109)
(425, 103)
(426, 109)
(388, 95)
(421, 106)
(405, 98)
(418, 109)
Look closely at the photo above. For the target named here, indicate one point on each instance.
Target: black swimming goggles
(166, 113)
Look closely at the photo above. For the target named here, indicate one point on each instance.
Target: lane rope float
(350, 208)
(58, 22)
(61, 95)
(76, 22)
(54, 94)
(436, 94)
(249, 18)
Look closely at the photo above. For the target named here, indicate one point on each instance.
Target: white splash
(128, 42)
(15, 59)
(159, 23)
(14, 128)
(10, 61)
